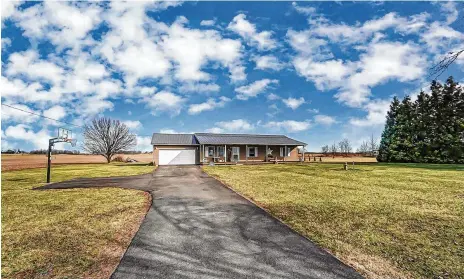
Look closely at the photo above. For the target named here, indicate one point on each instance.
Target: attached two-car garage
(177, 156)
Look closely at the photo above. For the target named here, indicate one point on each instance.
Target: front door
(235, 154)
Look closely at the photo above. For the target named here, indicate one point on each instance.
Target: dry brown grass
(386, 220)
(75, 233)
(31, 161)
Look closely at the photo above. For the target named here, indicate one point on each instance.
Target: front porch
(247, 154)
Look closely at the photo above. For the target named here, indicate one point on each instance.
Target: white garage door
(177, 156)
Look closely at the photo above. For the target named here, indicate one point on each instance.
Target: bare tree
(345, 146)
(446, 61)
(325, 149)
(364, 148)
(107, 137)
(333, 149)
(373, 146)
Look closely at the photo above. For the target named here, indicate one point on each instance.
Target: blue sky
(315, 71)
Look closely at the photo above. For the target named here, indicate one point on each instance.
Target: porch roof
(210, 138)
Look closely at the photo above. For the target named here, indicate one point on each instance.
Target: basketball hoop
(64, 135)
(73, 142)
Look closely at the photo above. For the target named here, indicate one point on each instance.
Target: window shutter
(281, 152)
(247, 152)
(256, 151)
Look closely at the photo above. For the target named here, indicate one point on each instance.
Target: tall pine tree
(430, 129)
(384, 154)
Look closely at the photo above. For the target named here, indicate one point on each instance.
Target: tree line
(427, 130)
(344, 147)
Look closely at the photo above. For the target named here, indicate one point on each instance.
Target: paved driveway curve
(197, 228)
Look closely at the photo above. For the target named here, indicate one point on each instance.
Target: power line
(43, 116)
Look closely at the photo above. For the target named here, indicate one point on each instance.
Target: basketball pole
(49, 155)
(63, 136)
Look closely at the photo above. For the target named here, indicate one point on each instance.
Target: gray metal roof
(209, 138)
(173, 139)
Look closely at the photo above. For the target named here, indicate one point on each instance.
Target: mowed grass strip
(73, 233)
(386, 220)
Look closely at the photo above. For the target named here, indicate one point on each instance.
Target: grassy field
(76, 233)
(388, 221)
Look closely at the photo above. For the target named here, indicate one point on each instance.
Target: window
(289, 150)
(285, 150)
(252, 151)
(220, 151)
(210, 151)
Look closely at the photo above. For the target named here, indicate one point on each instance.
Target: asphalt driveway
(197, 228)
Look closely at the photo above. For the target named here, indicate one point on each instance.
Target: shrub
(118, 159)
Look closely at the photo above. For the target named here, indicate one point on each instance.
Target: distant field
(27, 161)
(342, 159)
(387, 220)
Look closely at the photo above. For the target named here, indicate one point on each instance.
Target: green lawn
(386, 220)
(72, 233)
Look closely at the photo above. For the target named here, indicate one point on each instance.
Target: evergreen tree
(388, 132)
(421, 124)
(429, 130)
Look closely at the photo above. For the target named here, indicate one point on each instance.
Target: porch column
(246, 152)
(285, 152)
(225, 153)
(265, 154)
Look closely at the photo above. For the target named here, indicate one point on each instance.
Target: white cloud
(247, 30)
(290, 126)
(8, 8)
(199, 88)
(451, 10)
(29, 64)
(165, 101)
(267, 62)
(254, 89)
(133, 124)
(64, 23)
(209, 22)
(293, 103)
(272, 97)
(25, 133)
(384, 61)
(192, 49)
(6, 42)
(312, 110)
(376, 113)
(56, 112)
(327, 74)
(10, 114)
(144, 143)
(305, 10)
(210, 104)
(237, 125)
(324, 119)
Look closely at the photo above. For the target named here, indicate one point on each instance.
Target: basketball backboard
(64, 133)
